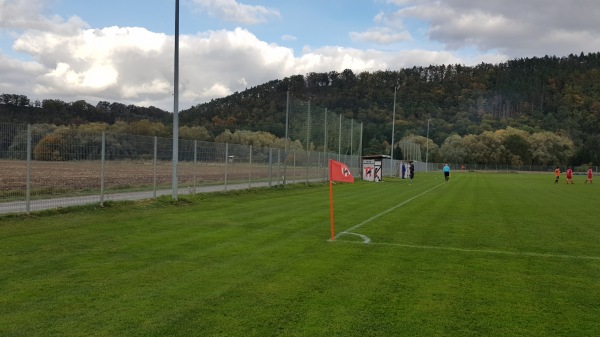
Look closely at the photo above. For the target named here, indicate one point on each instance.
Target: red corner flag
(339, 172)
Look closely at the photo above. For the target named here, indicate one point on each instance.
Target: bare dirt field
(78, 176)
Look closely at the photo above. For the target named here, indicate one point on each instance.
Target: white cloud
(515, 28)
(338, 59)
(110, 61)
(27, 15)
(68, 60)
(135, 66)
(288, 38)
(381, 35)
(64, 78)
(18, 77)
(216, 90)
(389, 30)
(231, 10)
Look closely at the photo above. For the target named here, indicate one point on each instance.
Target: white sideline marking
(483, 251)
(349, 230)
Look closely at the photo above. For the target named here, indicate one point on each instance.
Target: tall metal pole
(351, 139)
(360, 143)
(427, 152)
(325, 141)
(176, 105)
(360, 153)
(307, 140)
(28, 173)
(102, 163)
(393, 129)
(287, 128)
(287, 119)
(308, 128)
(340, 140)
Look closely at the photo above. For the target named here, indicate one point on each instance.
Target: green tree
(493, 150)
(452, 150)
(551, 149)
(52, 147)
(427, 147)
(375, 147)
(516, 142)
(194, 133)
(145, 127)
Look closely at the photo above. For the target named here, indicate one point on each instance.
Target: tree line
(58, 143)
(508, 146)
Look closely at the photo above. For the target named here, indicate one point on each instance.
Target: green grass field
(481, 255)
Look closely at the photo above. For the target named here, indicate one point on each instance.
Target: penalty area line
(481, 251)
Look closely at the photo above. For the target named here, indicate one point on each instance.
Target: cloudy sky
(123, 50)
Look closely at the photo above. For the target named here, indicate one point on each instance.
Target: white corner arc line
(366, 239)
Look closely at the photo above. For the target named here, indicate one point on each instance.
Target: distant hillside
(556, 94)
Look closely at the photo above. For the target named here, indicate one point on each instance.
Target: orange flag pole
(338, 172)
(331, 209)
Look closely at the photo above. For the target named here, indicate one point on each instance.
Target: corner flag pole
(331, 204)
(341, 173)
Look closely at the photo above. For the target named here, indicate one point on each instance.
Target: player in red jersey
(590, 175)
(570, 176)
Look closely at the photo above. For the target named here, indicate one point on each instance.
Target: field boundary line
(349, 230)
(482, 251)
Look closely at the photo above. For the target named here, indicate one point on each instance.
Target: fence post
(154, 161)
(102, 162)
(278, 167)
(270, 166)
(306, 164)
(294, 165)
(226, 163)
(319, 165)
(28, 179)
(195, 164)
(250, 168)
(325, 165)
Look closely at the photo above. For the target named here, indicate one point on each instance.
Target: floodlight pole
(393, 129)
(176, 105)
(287, 128)
(340, 141)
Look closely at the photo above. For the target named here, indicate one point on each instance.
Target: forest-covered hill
(556, 94)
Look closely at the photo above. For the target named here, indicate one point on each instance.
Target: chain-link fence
(323, 131)
(43, 168)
